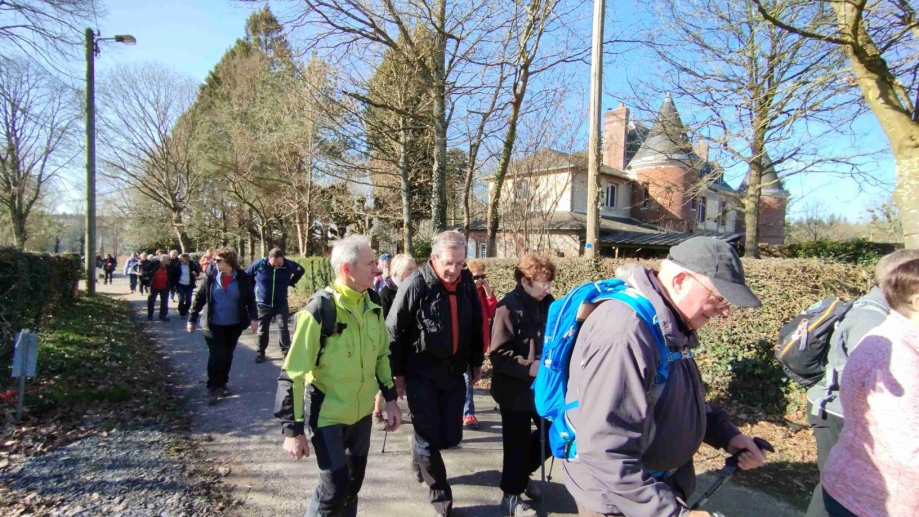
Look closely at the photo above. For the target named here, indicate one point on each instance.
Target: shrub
(855, 251)
(318, 275)
(31, 286)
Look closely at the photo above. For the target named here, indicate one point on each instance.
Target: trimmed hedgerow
(855, 251)
(32, 285)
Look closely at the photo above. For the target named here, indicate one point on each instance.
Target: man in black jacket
(435, 333)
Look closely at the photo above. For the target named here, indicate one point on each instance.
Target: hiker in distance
(516, 346)
(128, 271)
(230, 299)
(156, 277)
(108, 267)
(488, 303)
(186, 274)
(273, 275)
(435, 333)
(635, 439)
(339, 349)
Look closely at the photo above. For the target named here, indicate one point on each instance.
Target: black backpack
(804, 342)
(322, 307)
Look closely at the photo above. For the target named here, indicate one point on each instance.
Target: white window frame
(722, 215)
(700, 215)
(645, 196)
(483, 249)
(611, 196)
(693, 204)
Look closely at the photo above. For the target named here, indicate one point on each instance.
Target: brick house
(650, 195)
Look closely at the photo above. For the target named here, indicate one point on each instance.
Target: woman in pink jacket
(873, 470)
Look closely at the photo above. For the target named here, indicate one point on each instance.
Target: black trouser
(109, 276)
(184, 292)
(341, 452)
(833, 508)
(144, 286)
(266, 314)
(522, 456)
(164, 302)
(133, 280)
(826, 431)
(221, 343)
(436, 403)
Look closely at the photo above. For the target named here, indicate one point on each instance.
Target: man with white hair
(435, 333)
(339, 348)
(635, 444)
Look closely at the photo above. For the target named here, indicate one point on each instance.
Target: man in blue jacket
(273, 275)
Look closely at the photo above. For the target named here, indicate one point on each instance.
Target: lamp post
(92, 48)
(593, 142)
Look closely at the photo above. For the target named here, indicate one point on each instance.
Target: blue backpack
(562, 327)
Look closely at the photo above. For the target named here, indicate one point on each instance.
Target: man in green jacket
(339, 379)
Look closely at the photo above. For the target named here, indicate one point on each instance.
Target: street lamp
(92, 49)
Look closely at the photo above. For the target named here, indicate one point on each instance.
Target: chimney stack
(615, 135)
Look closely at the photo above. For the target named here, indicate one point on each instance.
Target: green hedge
(855, 251)
(736, 356)
(31, 286)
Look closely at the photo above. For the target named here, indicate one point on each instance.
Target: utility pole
(90, 245)
(594, 156)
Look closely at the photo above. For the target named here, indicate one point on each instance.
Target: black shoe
(212, 397)
(224, 392)
(260, 358)
(164, 319)
(149, 318)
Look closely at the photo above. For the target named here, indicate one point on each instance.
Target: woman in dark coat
(401, 267)
(516, 347)
(229, 294)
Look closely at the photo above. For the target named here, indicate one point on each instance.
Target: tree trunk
(494, 200)
(20, 234)
(406, 188)
(262, 235)
(751, 210)
(467, 186)
(179, 227)
(906, 163)
(298, 221)
(438, 93)
(309, 211)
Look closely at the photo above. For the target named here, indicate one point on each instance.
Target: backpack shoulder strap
(322, 307)
(374, 296)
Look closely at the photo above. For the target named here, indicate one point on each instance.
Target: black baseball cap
(719, 261)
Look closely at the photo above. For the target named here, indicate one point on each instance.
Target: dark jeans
(133, 280)
(221, 343)
(826, 432)
(266, 315)
(833, 508)
(184, 292)
(109, 277)
(522, 455)
(341, 453)
(436, 403)
(164, 302)
(469, 408)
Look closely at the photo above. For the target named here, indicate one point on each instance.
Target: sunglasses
(479, 277)
(218, 260)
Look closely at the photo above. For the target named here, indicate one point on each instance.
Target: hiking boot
(471, 422)
(212, 397)
(225, 392)
(514, 506)
(533, 491)
(260, 357)
(379, 421)
(149, 318)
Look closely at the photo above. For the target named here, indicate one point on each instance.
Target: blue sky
(192, 35)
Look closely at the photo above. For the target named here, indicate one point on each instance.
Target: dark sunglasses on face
(479, 277)
(218, 261)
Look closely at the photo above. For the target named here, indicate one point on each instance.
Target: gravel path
(125, 473)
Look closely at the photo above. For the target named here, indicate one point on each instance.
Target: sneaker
(471, 422)
(260, 357)
(514, 506)
(533, 491)
(225, 392)
(379, 421)
(212, 397)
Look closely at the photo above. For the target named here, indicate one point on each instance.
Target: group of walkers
(392, 329)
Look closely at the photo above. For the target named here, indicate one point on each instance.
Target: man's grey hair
(450, 239)
(347, 250)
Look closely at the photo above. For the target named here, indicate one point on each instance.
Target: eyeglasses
(479, 277)
(545, 286)
(218, 260)
(719, 300)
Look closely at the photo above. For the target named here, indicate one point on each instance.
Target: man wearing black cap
(636, 441)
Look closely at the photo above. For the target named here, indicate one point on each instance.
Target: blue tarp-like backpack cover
(562, 327)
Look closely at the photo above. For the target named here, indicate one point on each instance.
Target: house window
(645, 195)
(721, 213)
(522, 188)
(693, 204)
(701, 212)
(611, 193)
(483, 249)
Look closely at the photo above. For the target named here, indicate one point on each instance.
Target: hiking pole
(542, 463)
(729, 469)
(385, 434)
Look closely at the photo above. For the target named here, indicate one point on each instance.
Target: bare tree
(146, 132)
(757, 96)
(44, 31)
(39, 121)
(879, 40)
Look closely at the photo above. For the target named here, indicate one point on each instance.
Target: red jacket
(489, 305)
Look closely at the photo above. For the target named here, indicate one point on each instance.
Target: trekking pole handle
(762, 444)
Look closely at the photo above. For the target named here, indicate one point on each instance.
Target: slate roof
(550, 159)
(770, 176)
(661, 239)
(667, 137)
(578, 222)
